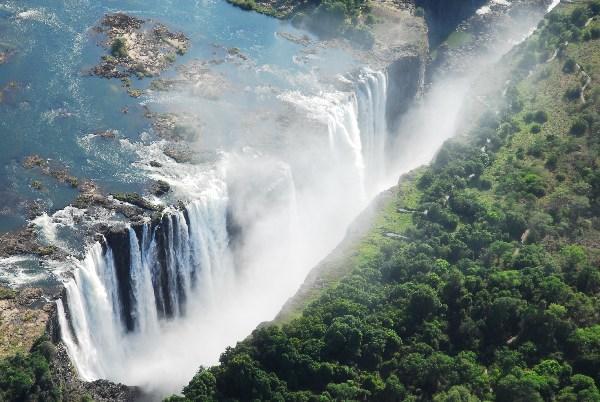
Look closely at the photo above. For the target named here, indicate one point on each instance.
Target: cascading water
(371, 101)
(211, 272)
(137, 278)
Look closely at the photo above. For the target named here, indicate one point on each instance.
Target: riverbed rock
(137, 200)
(160, 187)
(51, 168)
(137, 47)
(23, 241)
(32, 161)
(179, 154)
(107, 134)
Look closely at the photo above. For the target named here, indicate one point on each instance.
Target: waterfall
(372, 98)
(345, 142)
(211, 272)
(111, 307)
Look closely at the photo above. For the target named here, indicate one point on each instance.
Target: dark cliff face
(117, 239)
(405, 83)
(443, 16)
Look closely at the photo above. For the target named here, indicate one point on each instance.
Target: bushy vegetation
(118, 48)
(491, 293)
(26, 378)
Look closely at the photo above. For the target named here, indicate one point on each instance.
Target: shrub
(540, 117)
(579, 16)
(535, 129)
(573, 93)
(569, 66)
(575, 35)
(579, 127)
(528, 118)
(552, 162)
(536, 149)
(119, 48)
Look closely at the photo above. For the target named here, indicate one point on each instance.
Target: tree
(202, 387)
(457, 393)
(423, 302)
(343, 338)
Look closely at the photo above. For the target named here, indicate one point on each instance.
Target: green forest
(491, 289)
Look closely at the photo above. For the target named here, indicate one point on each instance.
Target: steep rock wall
(443, 16)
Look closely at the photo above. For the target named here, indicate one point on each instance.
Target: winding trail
(588, 80)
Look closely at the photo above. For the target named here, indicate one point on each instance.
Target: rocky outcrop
(64, 376)
(137, 47)
(405, 84)
(160, 188)
(51, 169)
(444, 16)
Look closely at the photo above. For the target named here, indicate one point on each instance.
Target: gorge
(267, 143)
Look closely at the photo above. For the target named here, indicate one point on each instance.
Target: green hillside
(491, 291)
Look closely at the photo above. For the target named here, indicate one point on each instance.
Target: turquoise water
(51, 104)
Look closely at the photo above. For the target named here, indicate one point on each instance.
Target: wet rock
(32, 161)
(155, 164)
(303, 40)
(160, 187)
(19, 242)
(11, 94)
(86, 200)
(34, 208)
(53, 170)
(108, 134)
(36, 185)
(46, 250)
(236, 52)
(64, 375)
(163, 85)
(179, 154)
(134, 93)
(137, 200)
